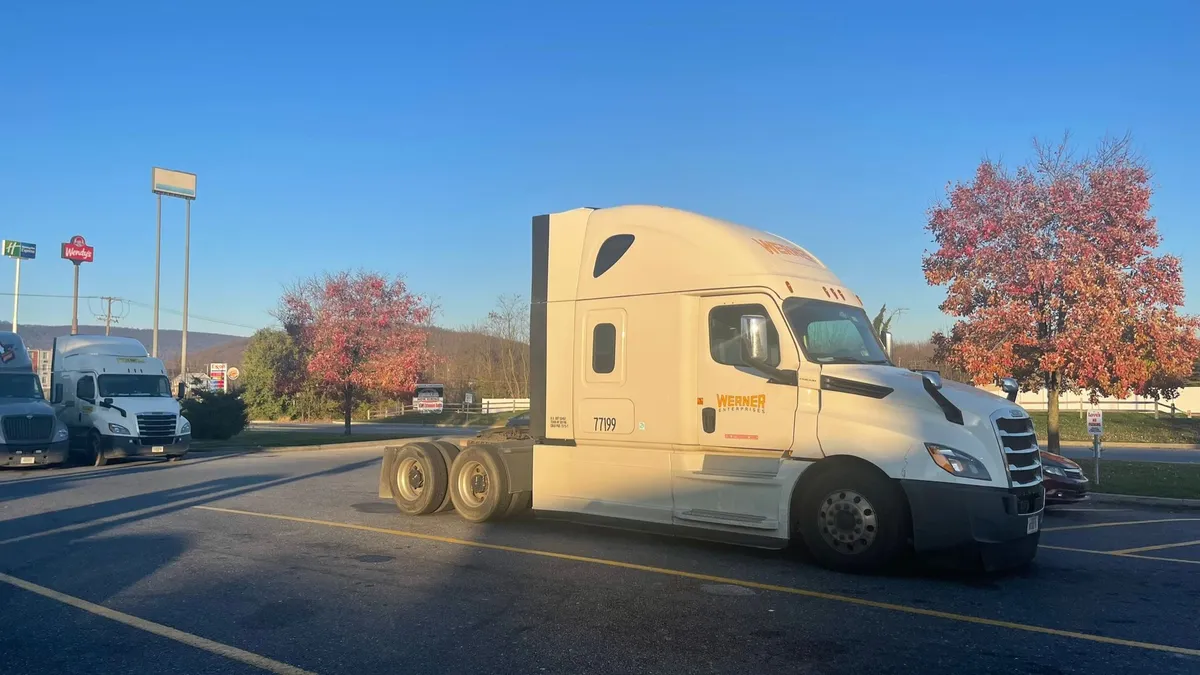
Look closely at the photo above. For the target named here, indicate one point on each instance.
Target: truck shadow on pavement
(34, 485)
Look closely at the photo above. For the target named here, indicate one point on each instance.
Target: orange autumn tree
(1052, 274)
(359, 334)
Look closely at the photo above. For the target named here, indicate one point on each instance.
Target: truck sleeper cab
(30, 435)
(116, 400)
(707, 378)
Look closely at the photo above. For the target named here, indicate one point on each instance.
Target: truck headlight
(957, 462)
(60, 435)
(185, 428)
(118, 429)
(1054, 470)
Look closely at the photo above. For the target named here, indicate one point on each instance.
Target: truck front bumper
(33, 454)
(1003, 526)
(116, 447)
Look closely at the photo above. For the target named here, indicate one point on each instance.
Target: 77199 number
(605, 423)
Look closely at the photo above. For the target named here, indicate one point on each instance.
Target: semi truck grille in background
(156, 428)
(1020, 451)
(28, 428)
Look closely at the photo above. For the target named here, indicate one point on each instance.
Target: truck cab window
(85, 388)
(830, 332)
(724, 328)
(604, 348)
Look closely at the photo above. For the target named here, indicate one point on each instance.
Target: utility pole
(108, 314)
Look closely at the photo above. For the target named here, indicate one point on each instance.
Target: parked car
(1063, 479)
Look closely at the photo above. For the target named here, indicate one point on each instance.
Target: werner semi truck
(29, 433)
(721, 382)
(116, 400)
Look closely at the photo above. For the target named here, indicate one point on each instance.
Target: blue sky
(420, 140)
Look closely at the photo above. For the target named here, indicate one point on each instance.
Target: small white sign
(469, 398)
(1095, 422)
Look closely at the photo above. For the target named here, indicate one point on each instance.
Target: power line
(139, 304)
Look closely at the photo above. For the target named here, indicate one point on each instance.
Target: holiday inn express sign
(19, 249)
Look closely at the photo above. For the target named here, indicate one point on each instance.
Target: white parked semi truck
(115, 399)
(29, 433)
(717, 381)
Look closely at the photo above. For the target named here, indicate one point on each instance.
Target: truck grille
(24, 428)
(1021, 451)
(156, 428)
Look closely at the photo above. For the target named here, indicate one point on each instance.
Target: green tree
(273, 373)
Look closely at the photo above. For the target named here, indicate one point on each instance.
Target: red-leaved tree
(1052, 273)
(360, 334)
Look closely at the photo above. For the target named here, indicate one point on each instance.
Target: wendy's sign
(77, 251)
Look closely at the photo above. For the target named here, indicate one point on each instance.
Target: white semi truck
(713, 380)
(30, 435)
(116, 399)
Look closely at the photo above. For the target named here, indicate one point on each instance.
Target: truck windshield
(833, 333)
(20, 385)
(114, 386)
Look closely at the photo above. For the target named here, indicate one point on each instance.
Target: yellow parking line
(850, 600)
(1125, 522)
(1119, 554)
(232, 653)
(1158, 547)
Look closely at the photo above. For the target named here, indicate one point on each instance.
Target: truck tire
(479, 484)
(96, 449)
(419, 479)
(853, 520)
(449, 453)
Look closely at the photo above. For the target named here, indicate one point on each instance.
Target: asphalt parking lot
(289, 563)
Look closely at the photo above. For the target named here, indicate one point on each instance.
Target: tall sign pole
(78, 252)
(172, 184)
(157, 265)
(20, 251)
(187, 256)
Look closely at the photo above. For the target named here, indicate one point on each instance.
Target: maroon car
(1063, 479)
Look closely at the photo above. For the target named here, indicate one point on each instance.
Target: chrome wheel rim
(410, 479)
(847, 522)
(473, 484)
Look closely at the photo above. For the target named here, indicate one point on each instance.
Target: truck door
(744, 423)
(85, 405)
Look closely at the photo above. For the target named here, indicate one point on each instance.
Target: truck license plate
(28, 460)
(159, 448)
(1032, 525)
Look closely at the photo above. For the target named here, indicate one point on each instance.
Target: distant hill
(169, 341)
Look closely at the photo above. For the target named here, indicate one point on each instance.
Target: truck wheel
(449, 453)
(853, 520)
(419, 479)
(96, 450)
(479, 484)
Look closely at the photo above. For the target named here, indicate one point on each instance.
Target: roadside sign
(19, 249)
(217, 373)
(233, 373)
(1095, 422)
(78, 251)
(469, 398)
(173, 183)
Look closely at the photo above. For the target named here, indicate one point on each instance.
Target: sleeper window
(604, 348)
(724, 331)
(86, 388)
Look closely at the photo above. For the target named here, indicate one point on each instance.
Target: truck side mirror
(933, 377)
(179, 389)
(1010, 386)
(56, 394)
(754, 338)
(107, 402)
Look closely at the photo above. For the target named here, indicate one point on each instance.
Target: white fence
(499, 405)
(1187, 403)
(486, 406)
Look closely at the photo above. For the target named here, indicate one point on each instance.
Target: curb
(1118, 444)
(1174, 502)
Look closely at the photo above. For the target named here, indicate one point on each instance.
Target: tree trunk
(1052, 413)
(348, 407)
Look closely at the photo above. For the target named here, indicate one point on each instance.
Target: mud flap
(385, 471)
